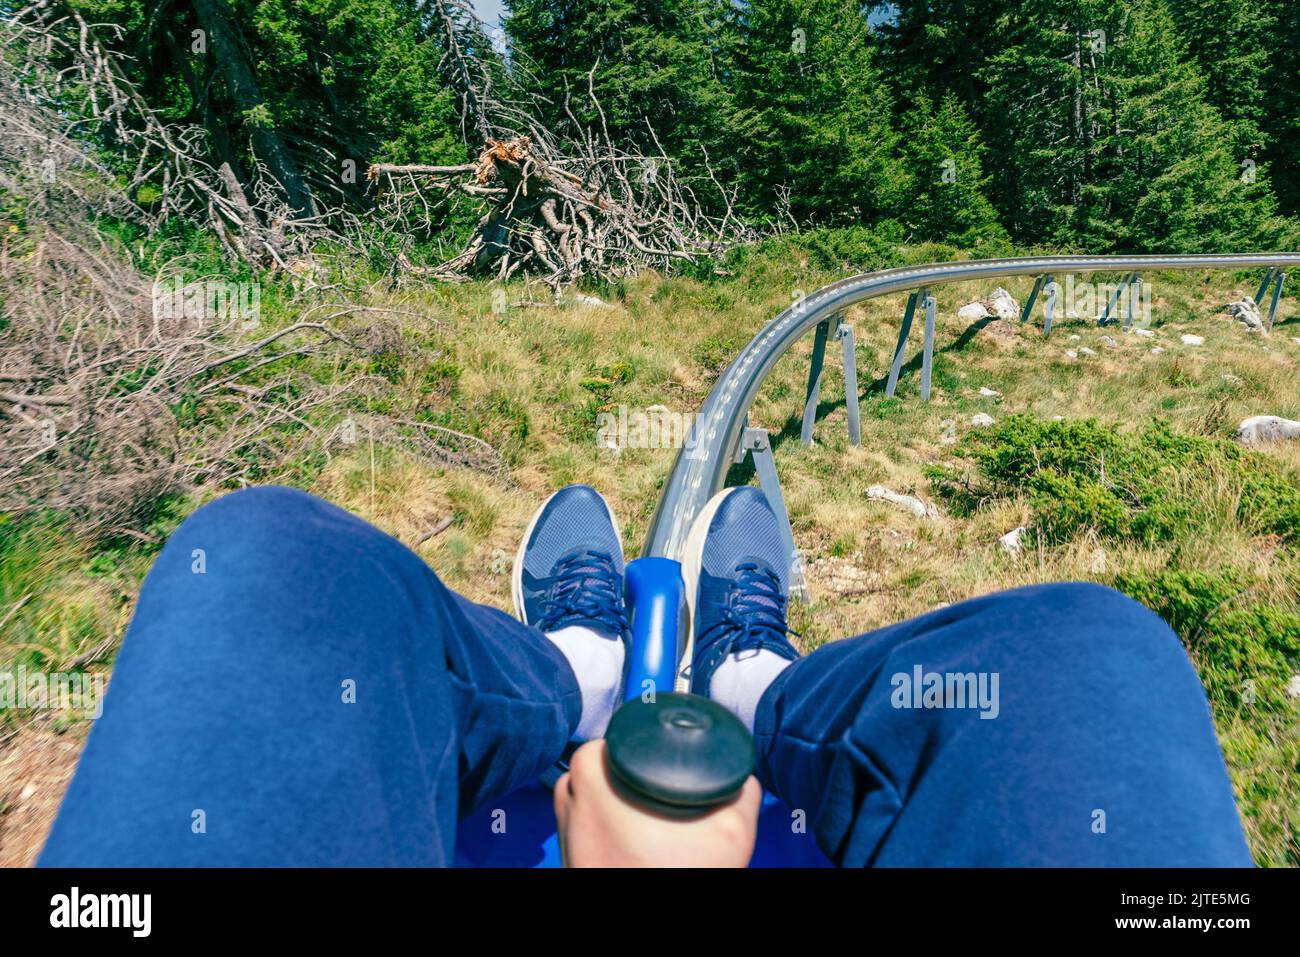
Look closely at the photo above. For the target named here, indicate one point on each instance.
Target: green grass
(1180, 517)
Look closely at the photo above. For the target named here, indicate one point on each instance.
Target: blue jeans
(298, 688)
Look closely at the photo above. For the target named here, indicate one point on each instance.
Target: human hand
(598, 827)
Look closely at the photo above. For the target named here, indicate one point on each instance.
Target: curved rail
(701, 467)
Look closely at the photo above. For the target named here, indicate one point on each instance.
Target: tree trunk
(247, 95)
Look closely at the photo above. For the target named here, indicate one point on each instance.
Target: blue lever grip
(656, 596)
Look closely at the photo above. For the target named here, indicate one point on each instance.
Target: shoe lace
(585, 585)
(754, 613)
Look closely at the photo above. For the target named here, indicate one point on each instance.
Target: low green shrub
(1151, 486)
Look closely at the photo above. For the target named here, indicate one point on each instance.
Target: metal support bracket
(897, 365)
(1049, 307)
(756, 443)
(1114, 297)
(1277, 294)
(850, 353)
(927, 348)
(1263, 286)
(815, 379)
(1033, 298)
(1134, 297)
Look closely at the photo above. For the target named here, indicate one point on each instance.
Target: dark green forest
(1092, 125)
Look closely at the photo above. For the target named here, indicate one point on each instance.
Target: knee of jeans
(268, 518)
(251, 508)
(1088, 622)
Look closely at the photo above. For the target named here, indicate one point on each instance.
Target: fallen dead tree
(105, 404)
(563, 218)
(557, 209)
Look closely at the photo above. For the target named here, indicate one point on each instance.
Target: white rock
(1071, 354)
(981, 419)
(1293, 687)
(1098, 563)
(1108, 342)
(1296, 340)
(1144, 333)
(911, 503)
(1191, 340)
(1076, 337)
(1246, 311)
(989, 393)
(1085, 351)
(1058, 418)
(1010, 542)
(1231, 379)
(585, 300)
(1156, 350)
(27, 792)
(1267, 428)
(973, 311)
(1002, 304)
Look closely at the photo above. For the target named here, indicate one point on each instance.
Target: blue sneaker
(569, 567)
(737, 582)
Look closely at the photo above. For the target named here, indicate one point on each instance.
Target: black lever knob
(679, 753)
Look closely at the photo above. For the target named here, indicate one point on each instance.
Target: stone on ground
(909, 502)
(1259, 429)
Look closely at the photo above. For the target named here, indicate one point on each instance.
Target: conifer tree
(814, 114)
(651, 64)
(944, 158)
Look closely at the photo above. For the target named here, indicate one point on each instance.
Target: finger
(587, 764)
(751, 797)
(562, 795)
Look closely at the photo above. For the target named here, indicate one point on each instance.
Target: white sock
(741, 680)
(597, 663)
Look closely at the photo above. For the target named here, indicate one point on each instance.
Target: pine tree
(1177, 167)
(1232, 42)
(651, 64)
(943, 155)
(813, 123)
(1110, 142)
(1281, 103)
(302, 87)
(934, 47)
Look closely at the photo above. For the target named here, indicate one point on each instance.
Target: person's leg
(1097, 748)
(298, 688)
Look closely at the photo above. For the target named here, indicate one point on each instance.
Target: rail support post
(849, 350)
(1277, 294)
(815, 379)
(1134, 296)
(1033, 298)
(1049, 307)
(927, 348)
(897, 365)
(1263, 286)
(1114, 297)
(756, 443)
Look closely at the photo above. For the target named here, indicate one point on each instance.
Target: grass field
(1207, 535)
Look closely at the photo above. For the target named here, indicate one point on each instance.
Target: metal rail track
(715, 442)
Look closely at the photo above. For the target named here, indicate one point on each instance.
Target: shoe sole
(517, 572)
(692, 560)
